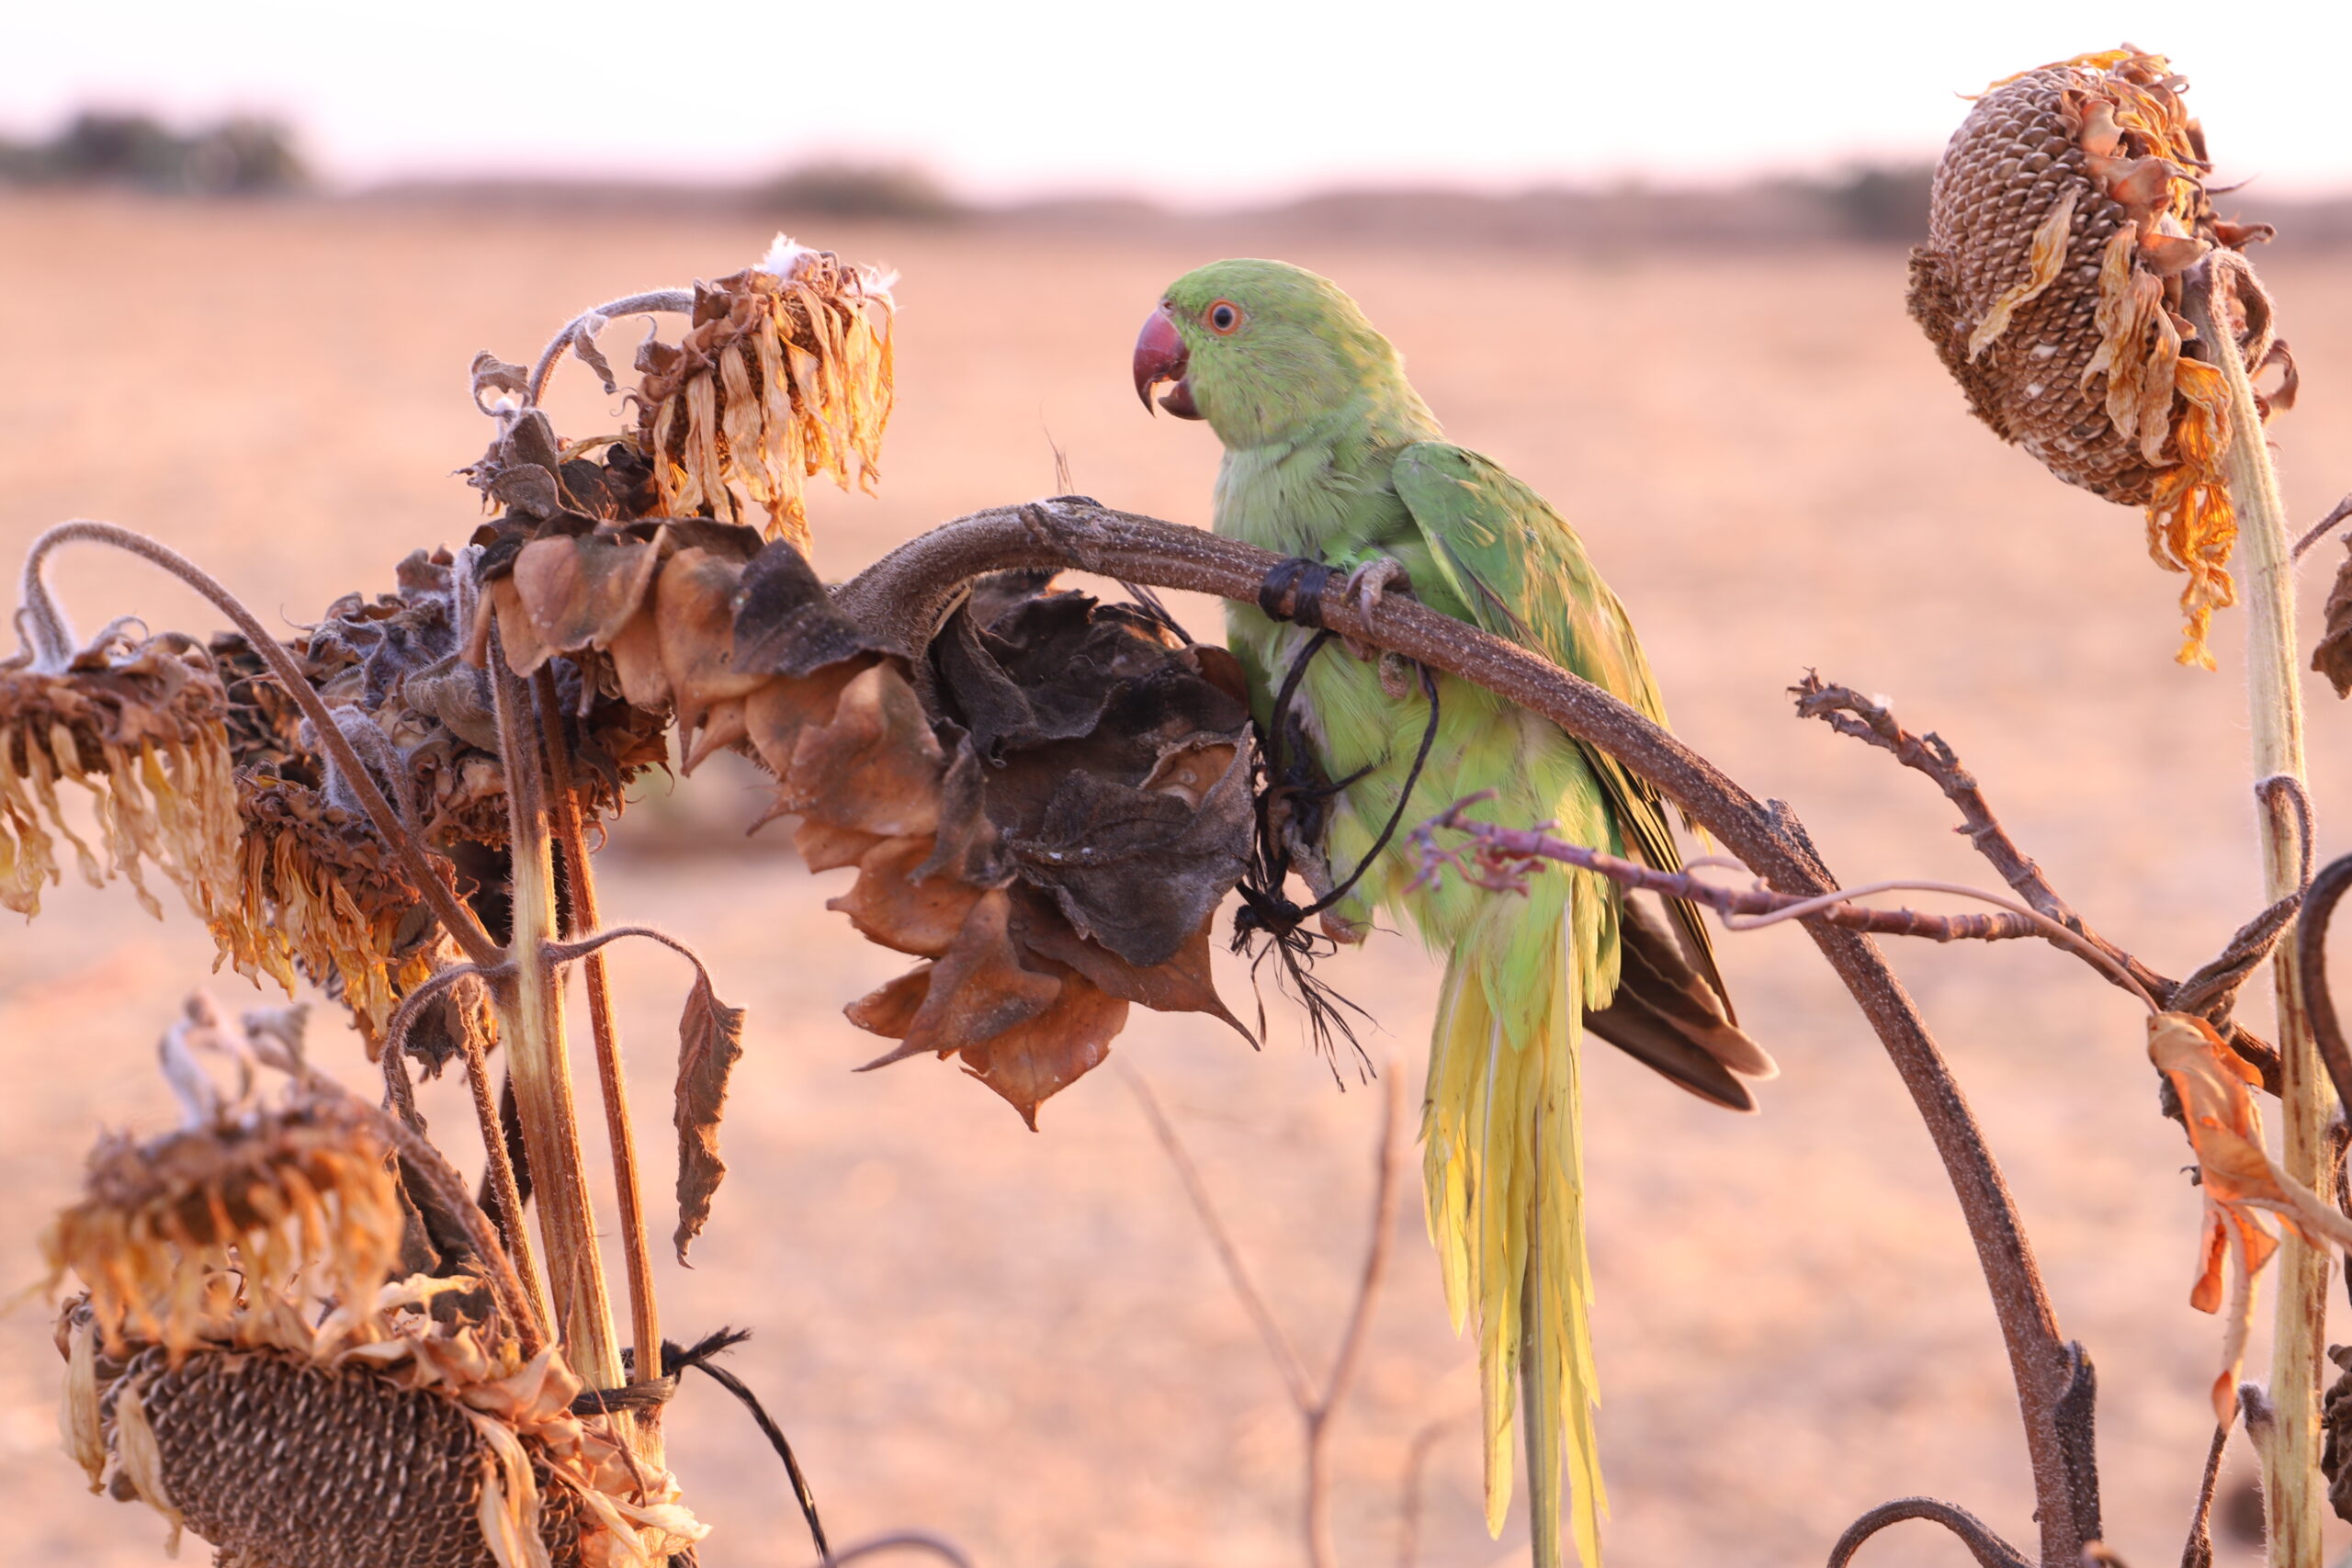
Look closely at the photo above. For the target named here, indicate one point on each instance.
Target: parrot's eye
(1223, 317)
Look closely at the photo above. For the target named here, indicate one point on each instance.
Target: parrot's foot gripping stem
(1370, 583)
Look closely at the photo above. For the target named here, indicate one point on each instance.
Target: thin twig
(1416, 1459)
(1850, 713)
(2336, 513)
(1295, 1380)
(2198, 1550)
(1317, 1409)
(1503, 853)
(903, 597)
(46, 631)
(2326, 891)
(1320, 1550)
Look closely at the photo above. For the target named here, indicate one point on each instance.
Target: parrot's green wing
(1521, 572)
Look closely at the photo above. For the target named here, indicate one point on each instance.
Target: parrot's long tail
(1505, 1189)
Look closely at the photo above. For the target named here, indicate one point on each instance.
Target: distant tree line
(241, 155)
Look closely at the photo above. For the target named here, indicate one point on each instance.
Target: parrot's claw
(1369, 583)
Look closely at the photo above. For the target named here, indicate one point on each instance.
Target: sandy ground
(1024, 1340)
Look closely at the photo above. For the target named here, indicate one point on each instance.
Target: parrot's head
(1260, 349)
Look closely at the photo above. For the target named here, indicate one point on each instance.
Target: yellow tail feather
(1504, 1185)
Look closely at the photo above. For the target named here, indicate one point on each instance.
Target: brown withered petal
(875, 767)
(2065, 212)
(1180, 983)
(580, 589)
(142, 726)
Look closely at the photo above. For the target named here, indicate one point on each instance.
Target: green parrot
(1331, 455)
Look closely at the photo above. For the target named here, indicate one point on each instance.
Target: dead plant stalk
(2306, 1100)
(1316, 1407)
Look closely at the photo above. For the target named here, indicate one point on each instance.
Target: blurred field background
(1024, 1340)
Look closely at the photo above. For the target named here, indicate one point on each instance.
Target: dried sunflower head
(2067, 211)
(249, 1208)
(786, 374)
(141, 725)
(391, 1441)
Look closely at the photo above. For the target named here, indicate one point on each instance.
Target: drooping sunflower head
(252, 1207)
(2068, 210)
(786, 374)
(140, 724)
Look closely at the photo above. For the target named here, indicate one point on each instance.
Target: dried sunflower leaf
(877, 767)
(1139, 869)
(580, 591)
(890, 905)
(710, 1041)
(1035, 1060)
(784, 621)
(2332, 658)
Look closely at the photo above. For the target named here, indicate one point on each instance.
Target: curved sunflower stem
(530, 1019)
(582, 328)
(579, 918)
(2307, 1101)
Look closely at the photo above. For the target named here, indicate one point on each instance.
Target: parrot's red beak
(1160, 357)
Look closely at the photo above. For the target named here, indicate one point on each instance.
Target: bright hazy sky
(1196, 104)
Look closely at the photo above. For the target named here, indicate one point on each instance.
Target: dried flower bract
(2068, 210)
(786, 374)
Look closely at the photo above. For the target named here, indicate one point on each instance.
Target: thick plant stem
(530, 1009)
(2306, 1100)
(580, 918)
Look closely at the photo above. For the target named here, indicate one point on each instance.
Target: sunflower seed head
(2066, 213)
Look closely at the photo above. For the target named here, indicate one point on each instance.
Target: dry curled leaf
(710, 1041)
(2065, 211)
(2332, 658)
